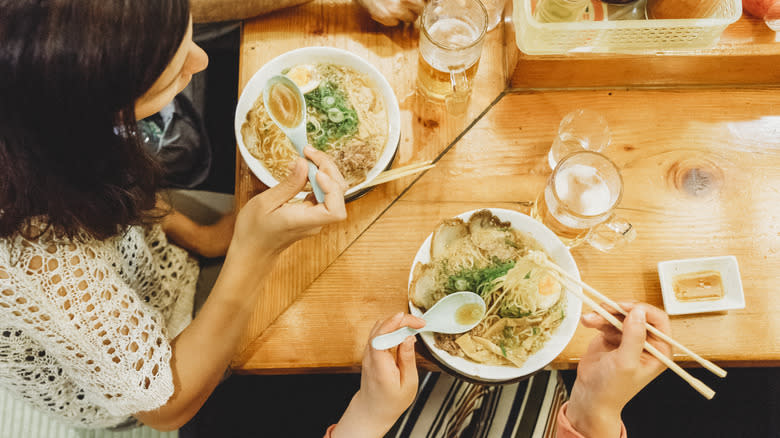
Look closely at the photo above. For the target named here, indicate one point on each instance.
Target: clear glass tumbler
(495, 11)
(579, 130)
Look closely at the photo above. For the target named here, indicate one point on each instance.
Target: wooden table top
(701, 168)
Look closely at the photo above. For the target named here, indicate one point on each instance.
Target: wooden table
(701, 167)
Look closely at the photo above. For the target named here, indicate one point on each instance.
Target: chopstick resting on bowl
(697, 384)
(394, 174)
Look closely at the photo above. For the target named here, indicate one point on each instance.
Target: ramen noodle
(346, 118)
(525, 302)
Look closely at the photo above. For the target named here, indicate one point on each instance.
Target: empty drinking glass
(579, 130)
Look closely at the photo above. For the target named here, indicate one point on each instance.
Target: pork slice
(447, 232)
(425, 289)
(492, 236)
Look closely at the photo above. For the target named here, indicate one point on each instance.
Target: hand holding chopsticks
(718, 371)
(567, 280)
(697, 384)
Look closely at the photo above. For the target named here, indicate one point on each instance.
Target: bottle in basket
(557, 11)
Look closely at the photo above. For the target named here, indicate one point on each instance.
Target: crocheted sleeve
(70, 299)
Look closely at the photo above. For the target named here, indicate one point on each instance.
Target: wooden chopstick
(697, 384)
(400, 172)
(718, 371)
(404, 168)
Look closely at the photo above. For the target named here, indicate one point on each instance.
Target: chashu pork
(426, 288)
(448, 231)
(492, 236)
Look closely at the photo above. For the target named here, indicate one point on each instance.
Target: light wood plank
(426, 126)
(701, 171)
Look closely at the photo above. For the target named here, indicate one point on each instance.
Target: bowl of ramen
(352, 115)
(529, 319)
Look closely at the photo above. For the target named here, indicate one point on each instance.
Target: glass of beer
(450, 46)
(579, 200)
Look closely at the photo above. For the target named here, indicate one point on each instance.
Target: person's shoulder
(41, 251)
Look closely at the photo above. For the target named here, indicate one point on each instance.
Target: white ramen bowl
(316, 55)
(561, 336)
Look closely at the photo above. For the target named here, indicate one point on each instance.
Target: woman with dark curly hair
(97, 276)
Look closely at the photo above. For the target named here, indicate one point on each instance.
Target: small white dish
(733, 296)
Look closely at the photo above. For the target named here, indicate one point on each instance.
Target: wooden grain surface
(427, 128)
(748, 53)
(701, 170)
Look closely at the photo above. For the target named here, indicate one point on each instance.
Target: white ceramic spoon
(443, 317)
(297, 133)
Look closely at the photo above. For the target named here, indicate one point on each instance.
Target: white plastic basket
(621, 36)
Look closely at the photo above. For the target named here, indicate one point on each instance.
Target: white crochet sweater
(85, 325)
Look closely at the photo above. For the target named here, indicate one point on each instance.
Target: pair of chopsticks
(697, 384)
(394, 174)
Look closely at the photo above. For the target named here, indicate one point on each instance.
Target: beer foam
(583, 190)
(453, 32)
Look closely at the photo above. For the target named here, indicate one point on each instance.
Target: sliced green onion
(328, 101)
(335, 115)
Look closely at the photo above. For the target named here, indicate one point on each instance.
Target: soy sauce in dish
(698, 286)
(285, 105)
(468, 314)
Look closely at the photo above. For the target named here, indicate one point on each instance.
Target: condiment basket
(621, 36)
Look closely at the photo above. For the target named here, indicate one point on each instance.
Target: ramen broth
(468, 314)
(285, 105)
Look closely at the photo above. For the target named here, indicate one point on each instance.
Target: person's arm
(264, 227)
(210, 11)
(388, 385)
(386, 12)
(207, 240)
(612, 371)
(393, 12)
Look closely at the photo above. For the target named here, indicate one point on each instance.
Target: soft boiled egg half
(549, 292)
(305, 77)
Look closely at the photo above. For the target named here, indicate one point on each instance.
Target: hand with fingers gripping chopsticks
(615, 368)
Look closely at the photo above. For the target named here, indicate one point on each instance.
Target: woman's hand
(388, 384)
(268, 224)
(615, 368)
(391, 12)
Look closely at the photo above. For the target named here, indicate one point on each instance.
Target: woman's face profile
(188, 60)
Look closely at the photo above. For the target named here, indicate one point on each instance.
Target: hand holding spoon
(287, 108)
(456, 313)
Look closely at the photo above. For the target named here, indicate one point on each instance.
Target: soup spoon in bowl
(285, 104)
(456, 313)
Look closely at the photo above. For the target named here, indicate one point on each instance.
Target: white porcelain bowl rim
(561, 255)
(313, 55)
